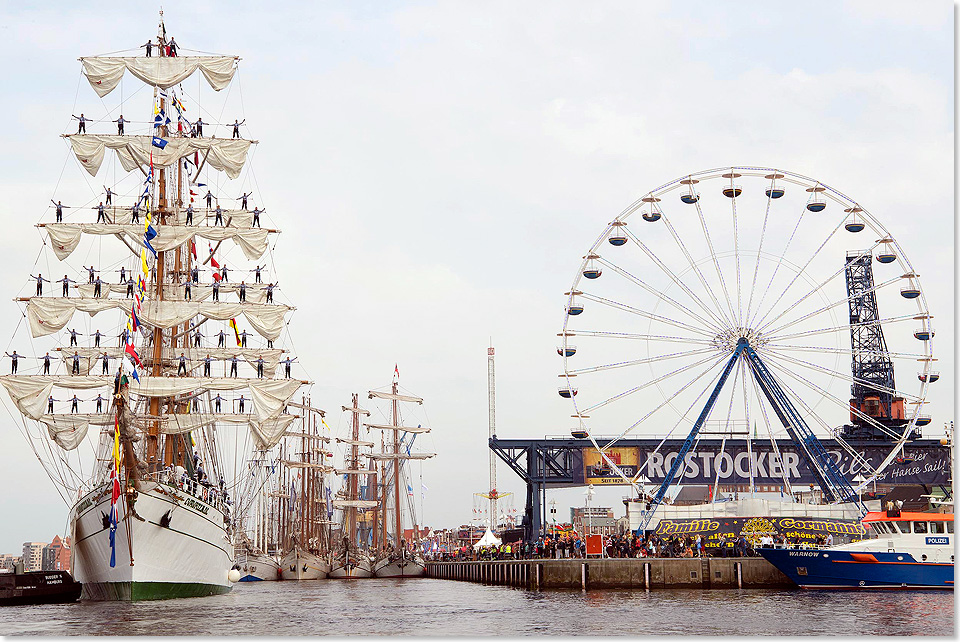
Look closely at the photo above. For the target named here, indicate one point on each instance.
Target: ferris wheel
(754, 298)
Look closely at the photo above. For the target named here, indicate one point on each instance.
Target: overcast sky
(438, 170)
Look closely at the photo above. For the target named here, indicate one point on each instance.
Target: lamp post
(553, 513)
(586, 502)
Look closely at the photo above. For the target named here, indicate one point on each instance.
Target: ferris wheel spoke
(655, 292)
(843, 376)
(665, 402)
(756, 267)
(816, 288)
(647, 337)
(830, 350)
(830, 306)
(773, 439)
(647, 315)
(832, 398)
(844, 327)
(799, 272)
(718, 321)
(810, 412)
(652, 382)
(637, 362)
(716, 264)
(776, 268)
(696, 270)
(736, 254)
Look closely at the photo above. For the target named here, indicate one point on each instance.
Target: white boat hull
(189, 557)
(408, 567)
(256, 567)
(303, 565)
(351, 568)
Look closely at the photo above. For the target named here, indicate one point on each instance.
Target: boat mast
(153, 431)
(354, 464)
(396, 469)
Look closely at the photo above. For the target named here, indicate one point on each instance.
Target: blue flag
(159, 142)
(149, 247)
(150, 234)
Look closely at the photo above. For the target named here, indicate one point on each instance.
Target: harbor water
(429, 607)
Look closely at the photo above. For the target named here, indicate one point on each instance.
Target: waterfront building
(33, 556)
(8, 561)
(56, 555)
(593, 520)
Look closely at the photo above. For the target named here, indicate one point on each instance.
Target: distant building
(8, 560)
(33, 556)
(56, 555)
(595, 520)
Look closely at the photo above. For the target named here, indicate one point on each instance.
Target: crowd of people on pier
(629, 545)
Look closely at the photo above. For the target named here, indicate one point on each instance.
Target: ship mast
(398, 536)
(354, 464)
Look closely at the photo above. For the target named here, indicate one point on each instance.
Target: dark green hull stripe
(137, 591)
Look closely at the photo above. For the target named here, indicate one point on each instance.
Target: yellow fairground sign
(596, 470)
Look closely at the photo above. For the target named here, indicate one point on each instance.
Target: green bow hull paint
(138, 591)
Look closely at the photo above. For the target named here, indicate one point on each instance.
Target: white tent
(488, 539)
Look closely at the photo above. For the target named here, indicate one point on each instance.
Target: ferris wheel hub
(731, 338)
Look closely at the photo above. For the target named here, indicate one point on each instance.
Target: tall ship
(255, 522)
(151, 487)
(397, 556)
(352, 557)
(303, 506)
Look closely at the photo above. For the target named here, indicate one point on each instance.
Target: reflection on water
(443, 607)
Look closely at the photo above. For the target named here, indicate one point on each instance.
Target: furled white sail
(104, 72)
(225, 154)
(68, 431)
(30, 393)
(47, 315)
(411, 429)
(354, 442)
(389, 395)
(64, 237)
(354, 503)
(386, 456)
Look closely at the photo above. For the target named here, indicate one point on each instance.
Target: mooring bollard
(646, 575)
(739, 575)
(583, 577)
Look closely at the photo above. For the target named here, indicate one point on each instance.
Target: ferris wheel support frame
(831, 481)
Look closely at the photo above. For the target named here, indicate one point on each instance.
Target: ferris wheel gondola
(748, 303)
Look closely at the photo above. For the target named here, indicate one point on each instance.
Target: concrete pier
(586, 574)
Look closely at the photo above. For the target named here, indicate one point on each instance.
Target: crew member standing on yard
(236, 130)
(96, 339)
(66, 285)
(149, 45)
(182, 369)
(109, 195)
(100, 399)
(199, 125)
(241, 400)
(120, 121)
(50, 401)
(173, 47)
(223, 273)
(243, 197)
(216, 402)
(186, 289)
(206, 365)
(40, 281)
(195, 274)
(256, 273)
(286, 365)
(233, 365)
(216, 296)
(75, 368)
(256, 216)
(259, 363)
(130, 288)
(220, 338)
(46, 365)
(13, 361)
(242, 292)
(73, 336)
(218, 220)
(59, 206)
(82, 128)
(209, 198)
(101, 214)
(73, 403)
(135, 213)
(106, 362)
(269, 290)
(96, 288)
(190, 214)
(91, 273)
(243, 338)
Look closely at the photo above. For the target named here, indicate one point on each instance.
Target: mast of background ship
(398, 537)
(352, 481)
(492, 420)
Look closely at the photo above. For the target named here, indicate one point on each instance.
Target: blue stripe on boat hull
(840, 570)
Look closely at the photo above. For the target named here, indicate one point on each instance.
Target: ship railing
(205, 493)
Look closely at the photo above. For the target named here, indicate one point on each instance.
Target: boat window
(880, 528)
(903, 527)
(936, 527)
(949, 527)
(919, 527)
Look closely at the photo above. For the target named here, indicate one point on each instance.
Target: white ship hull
(351, 568)
(256, 567)
(303, 565)
(190, 557)
(407, 567)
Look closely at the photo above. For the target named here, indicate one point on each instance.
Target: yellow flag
(143, 263)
